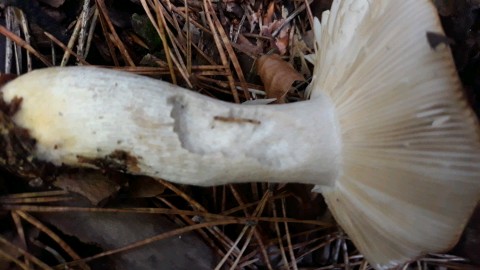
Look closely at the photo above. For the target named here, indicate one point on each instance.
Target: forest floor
(90, 220)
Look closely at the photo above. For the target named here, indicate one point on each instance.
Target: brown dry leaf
(93, 185)
(277, 76)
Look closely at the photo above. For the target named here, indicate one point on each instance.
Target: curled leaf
(277, 76)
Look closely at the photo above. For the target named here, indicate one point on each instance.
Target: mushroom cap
(410, 142)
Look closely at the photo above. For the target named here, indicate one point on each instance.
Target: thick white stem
(88, 116)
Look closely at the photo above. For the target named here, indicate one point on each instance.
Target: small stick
(24, 22)
(18, 40)
(65, 48)
(83, 29)
(91, 31)
(71, 42)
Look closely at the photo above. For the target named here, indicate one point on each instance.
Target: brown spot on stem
(10, 108)
(118, 160)
(16, 144)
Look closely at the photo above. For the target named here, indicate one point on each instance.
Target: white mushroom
(386, 136)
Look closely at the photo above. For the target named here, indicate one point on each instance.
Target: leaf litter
(90, 220)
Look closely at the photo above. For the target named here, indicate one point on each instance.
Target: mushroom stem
(149, 127)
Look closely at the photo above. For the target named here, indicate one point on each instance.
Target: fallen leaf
(277, 76)
(93, 185)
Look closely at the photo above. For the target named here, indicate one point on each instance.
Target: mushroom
(386, 136)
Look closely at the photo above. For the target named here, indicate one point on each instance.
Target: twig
(110, 45)
(178, 59)
(346, 257)
(21, 234)
(30, 257)
(54, 54)
(109, 25)
(35, 194)
(159, 237)
(12, 25)
(26, 33)
(279, 239)
(71, 42)
(258, 211)
(83, 28)
(53, 236)
(161, 32)
(231, 52)
(189, 39)
(196, 205)
(309, 12)
(16, 48)
(202, 233)
(255, 230)
(208, 14)
(91, 31)
(18, 40)
(291, 17)
(66, 49)
(232, 248)
(8, 43)
(289, 240)
(35, 200)
(240, 25)
(9, 258)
